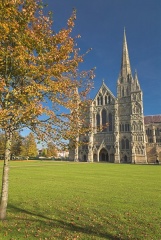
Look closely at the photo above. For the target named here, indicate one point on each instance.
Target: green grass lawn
(61, 200)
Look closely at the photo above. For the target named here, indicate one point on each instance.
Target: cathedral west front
(120, 131)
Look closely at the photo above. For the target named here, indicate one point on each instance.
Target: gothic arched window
(127, 144)
(98, 102)
(157, 132)
(101, 100)
(98, 121)
(123, 144)
(105, 99)
(127, 91)
(104, 120)
(127, 127)
(94, 119)
(123, 92)
(110, 122)
(109, 99)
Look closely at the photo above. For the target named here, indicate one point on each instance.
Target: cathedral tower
(130, 113)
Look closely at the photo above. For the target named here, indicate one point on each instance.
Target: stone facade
(120, 132)
(153, 137)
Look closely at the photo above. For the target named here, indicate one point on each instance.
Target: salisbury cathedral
(126, 135)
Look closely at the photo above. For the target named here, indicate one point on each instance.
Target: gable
(104, 96)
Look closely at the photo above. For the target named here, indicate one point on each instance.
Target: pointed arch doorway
(103, 155)
(125, 159)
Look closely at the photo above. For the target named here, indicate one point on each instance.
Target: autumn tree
(38, 77)
(29, 146)
(44, 152)
(51, 150)
(15, 146)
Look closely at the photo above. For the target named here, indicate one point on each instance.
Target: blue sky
(101, 24)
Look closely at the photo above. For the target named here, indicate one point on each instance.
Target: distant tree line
(26, 147)
(21, 146)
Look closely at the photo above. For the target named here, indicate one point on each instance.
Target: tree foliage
(51, 150)
(16, 146)
(29, 146)
(36, 66)
(38, 77)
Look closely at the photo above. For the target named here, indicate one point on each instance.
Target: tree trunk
(76, 150)
(5, 176)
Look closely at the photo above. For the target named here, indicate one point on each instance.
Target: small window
(110, 122)
(127, 91)
(105, 99)
(98, 121)
(101, 100)
(128, 127)
(98, 102)
(104, 121)
(122, 92)
(127, 144)
(123, 144)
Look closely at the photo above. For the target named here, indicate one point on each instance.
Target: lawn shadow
(66, 227)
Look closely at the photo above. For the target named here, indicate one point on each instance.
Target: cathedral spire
(125, 63)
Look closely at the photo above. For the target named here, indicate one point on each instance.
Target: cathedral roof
(152, 119)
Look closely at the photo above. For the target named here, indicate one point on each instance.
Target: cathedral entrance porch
(84, 158)
(125, 158)
(103, 155)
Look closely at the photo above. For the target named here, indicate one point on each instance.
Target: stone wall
(153, 152)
